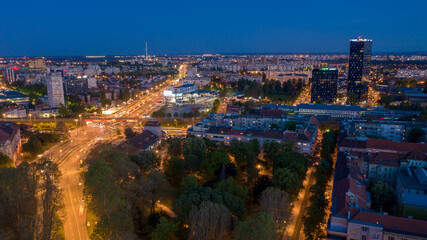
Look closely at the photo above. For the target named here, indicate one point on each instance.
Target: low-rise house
(15, 112)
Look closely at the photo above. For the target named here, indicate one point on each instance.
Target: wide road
(68, 155)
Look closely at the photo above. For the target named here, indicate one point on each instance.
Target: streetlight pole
(54, 117)
(77, 129)
(80, 116)
(31, 122)
(4, 117)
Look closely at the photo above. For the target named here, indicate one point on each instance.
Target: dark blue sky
(112, 27)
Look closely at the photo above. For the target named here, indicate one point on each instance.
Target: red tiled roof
(386, 159)
(397, 146)
(420, 156)
(393, 223)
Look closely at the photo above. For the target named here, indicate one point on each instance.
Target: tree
(294, 161)
(146, 160)
(51, 198)
(33, 146)
(18, 201)
(258, 227)
(291, 125)
(275, 126)
(189, 182)
(383, 196)
(196, 195)
(129, 133)
(5, 161)
(175, 171)
(288, 181)
(276, 203)
(262, 183)
(210, 221)
(175, 147)
(271, 148)
(61, 127)
(416, 135)
(214, 161)
(164, 229)
(231, 186)
(194, 152)
(196, 113)
(103, 99)
(215, 105)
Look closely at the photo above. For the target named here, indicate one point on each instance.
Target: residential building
(37, 64)
(92, 82)
(10, 140)
(411, 192)
(324, 86)
(351, 218)
(226, 128)
(335, 111)
(75, 84)
(55, 90)
(154, 127)
(359, 67)
(15, 112)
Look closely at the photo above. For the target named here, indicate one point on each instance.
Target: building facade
(324, 86)
(358, 68)
(55, 90)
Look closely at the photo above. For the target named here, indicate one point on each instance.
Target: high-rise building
(11, 74)
(250, 60)
(358, 68)
(55, 90)
(37, 64)
(325, 82)
(275, 60)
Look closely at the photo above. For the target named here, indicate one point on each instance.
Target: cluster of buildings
(381, 129)
(225, 128)
(412, 73)
(402, 165)
(326, 84)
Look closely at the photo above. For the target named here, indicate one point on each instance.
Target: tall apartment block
(358, 68)
(55, 90)
(325, 82)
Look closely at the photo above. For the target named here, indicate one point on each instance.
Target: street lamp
(80, 116)
(76, 120)
(54, 117)
(30, 118)
(4, 116)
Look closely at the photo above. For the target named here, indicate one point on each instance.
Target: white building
(55, 90)
(91, 82)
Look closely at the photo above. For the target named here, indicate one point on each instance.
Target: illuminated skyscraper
(324, 86)
(55, 90)
(358, 67)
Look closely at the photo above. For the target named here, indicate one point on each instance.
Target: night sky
(107, 27)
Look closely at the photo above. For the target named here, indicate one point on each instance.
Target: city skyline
(108, 28)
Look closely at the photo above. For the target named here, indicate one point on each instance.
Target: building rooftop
(330, 107)
(393, 224)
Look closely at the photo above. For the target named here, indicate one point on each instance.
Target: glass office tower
(324, 86)
(359, 67)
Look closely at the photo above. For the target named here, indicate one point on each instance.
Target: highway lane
(68, 156)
